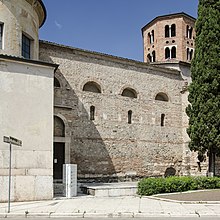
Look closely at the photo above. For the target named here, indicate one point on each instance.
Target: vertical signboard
(11, 141)
(70, 180)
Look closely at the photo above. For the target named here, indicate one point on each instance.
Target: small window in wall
(167, 31)
(1, 35)
(92, 87)
(167, 53)
(26, 47)
(162, 120)
(173, 52)
(56, 83)
(129, 116)
(128, 92)
(92, 113)
(162, 97)
(173, 30)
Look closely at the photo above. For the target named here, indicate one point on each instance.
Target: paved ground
(130, 206)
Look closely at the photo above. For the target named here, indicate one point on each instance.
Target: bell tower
(20, 21)
(169, 38)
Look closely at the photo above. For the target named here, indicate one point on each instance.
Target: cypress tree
(204, 91)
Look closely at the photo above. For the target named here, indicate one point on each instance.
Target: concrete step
(58, 189)
(110, 189)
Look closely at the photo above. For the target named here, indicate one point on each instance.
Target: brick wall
(181, 41)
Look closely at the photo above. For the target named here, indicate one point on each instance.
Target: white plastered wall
(26, 112)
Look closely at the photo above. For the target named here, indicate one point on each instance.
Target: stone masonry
(109, 147)
(116, 118)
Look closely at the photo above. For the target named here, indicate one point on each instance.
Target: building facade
(23, 112)
(117, 119)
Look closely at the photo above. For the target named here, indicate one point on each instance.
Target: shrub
(150, 186)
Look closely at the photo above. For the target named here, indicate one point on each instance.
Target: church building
(117, 119)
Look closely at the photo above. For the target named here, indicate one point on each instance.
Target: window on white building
(26, 47)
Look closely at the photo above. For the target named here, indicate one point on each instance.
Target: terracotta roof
(169, 16)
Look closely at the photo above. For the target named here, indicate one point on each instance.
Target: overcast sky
(107, 26)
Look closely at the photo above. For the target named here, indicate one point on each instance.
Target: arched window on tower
(187, 53)
(92, 87)
(149, 58)
(128, 92)
(190, 32)
(187, 31)
(173, 52)
(154, 56)
(149, 38)
(173, 30)
(152, 37)
(191, 54)
(167, 53)
(167, 31)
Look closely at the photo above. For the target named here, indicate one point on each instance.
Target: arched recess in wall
(61, 146)
(129, 92)
(59, 127)
(162, 97)
(92, 87)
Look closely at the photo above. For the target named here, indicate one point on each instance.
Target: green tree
(204, 91)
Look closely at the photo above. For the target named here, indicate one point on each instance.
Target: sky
(107, 26)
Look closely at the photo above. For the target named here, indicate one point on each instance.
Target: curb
(181, 202)
(104, 215)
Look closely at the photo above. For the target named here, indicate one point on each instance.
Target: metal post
(9, 180)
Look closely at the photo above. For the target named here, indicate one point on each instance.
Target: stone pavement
(126, 206)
